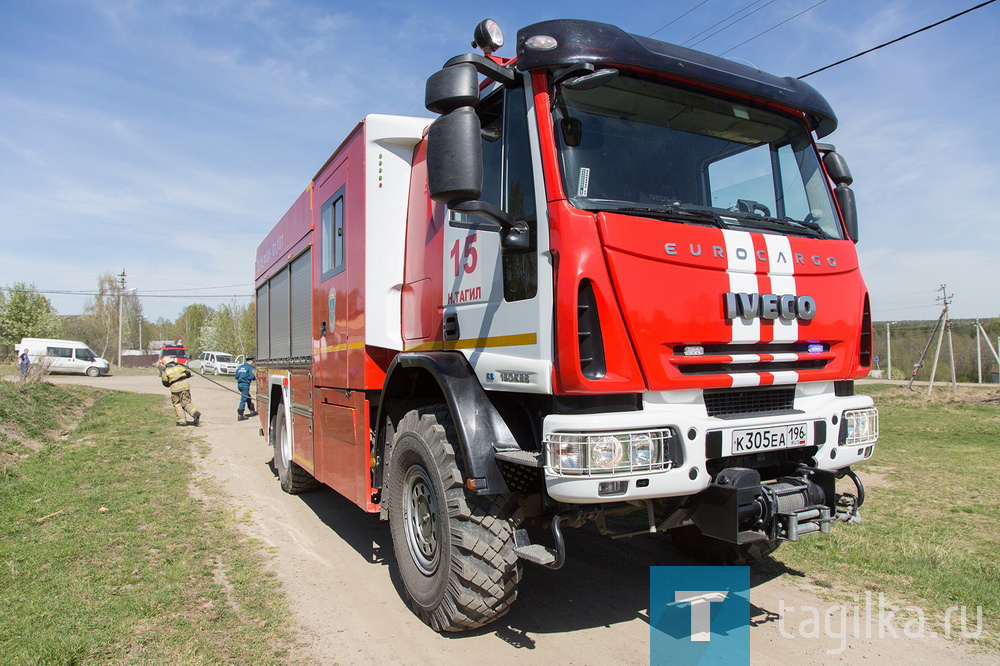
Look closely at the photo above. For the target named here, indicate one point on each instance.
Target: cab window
(332, 223)
(508, 183)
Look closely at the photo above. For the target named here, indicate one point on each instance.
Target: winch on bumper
(738, 508)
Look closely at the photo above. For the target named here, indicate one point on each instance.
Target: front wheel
(691, 541)
(454, 552)
(93, 371)
(293, 479)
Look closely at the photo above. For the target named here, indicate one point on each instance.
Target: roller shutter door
(263, 330)
(279, 317)
(300, 305)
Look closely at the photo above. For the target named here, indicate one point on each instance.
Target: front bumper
(705, 443)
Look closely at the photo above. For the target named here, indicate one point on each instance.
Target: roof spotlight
(488, 36)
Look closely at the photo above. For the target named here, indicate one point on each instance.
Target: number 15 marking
(468, 259)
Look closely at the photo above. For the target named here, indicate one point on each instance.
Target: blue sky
(167, 138)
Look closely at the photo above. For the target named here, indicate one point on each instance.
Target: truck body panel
(329, 279)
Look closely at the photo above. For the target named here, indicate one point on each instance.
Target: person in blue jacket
(244, 375)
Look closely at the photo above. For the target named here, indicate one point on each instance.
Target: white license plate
(756, 440)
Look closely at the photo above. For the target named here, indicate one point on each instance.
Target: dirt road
(335, 564)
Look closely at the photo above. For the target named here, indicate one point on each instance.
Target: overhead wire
(727, 27)
(678, 18)
(773, 27)
(723, 29)
(745, 7)
(898, 39)
(144, 294)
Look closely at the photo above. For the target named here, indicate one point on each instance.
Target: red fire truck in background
(615, 281)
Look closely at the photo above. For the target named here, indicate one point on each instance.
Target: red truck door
(335, 415)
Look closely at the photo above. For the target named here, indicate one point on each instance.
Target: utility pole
(989, 344)
(121, 292)
(888, 353)
(920, 363)
(979, 352)
(946, 299)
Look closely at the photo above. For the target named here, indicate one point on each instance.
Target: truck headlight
(859, 427)
(603, 453)
(644, 450)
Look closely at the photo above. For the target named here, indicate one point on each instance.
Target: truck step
(519, 457)
(532, 552)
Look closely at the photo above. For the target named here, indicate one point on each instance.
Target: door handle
(450, 327)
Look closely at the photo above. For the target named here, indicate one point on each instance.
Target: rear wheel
(691, 541)
(454, 551)
(293, 479)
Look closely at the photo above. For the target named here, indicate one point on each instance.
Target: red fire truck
(613, 282)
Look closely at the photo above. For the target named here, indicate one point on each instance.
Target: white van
(220, 363)
(64, 356)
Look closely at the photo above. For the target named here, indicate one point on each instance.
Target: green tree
(98, 325)
(189, 325)
(232, 328)
(25, 313)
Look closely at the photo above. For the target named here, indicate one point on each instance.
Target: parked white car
(64, 356)
(219, 363)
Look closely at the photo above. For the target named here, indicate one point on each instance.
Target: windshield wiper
(772, 222)
(670, 212)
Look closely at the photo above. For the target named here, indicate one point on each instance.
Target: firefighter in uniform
(244, 375)
(175, 377)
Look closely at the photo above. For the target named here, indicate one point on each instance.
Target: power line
(899, 39)
(221, 286)
(678, 18)
(741, 9)
(66, 292)
(773, 27)
(106, 204)
(742, 18)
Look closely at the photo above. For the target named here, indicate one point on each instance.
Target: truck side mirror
(837, 167)
(452, 88)
(455, 156)
(840, 174)
(848, 208)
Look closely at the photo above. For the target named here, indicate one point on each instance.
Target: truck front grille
(732, 403)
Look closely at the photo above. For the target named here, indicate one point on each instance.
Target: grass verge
(105, 555)
(931, 529)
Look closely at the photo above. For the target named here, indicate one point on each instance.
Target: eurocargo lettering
(614, 281)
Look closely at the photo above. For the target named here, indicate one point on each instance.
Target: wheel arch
(420, 378)
(276, 400)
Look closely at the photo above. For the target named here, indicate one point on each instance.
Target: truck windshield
(647, 148)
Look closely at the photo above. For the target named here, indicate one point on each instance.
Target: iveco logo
(768, 306)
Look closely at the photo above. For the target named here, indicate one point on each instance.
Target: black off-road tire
(690, 541)
(293, 479)
(454, 552)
